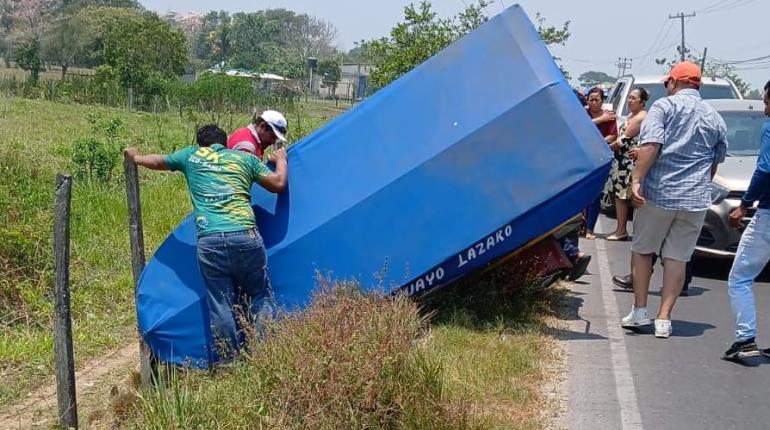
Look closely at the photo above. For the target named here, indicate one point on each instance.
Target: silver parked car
(744, 120)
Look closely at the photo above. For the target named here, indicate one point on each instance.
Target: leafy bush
(94, 157)
(28, 58)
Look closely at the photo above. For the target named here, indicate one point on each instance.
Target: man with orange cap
(682, 141)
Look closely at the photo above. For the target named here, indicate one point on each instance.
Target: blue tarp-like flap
(462, 160)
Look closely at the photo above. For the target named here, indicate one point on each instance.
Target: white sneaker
(636, 318)
(663, 328)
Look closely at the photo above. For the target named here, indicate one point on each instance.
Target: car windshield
(744, 129)
(707, 92)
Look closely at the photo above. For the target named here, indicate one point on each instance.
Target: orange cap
(685, 71)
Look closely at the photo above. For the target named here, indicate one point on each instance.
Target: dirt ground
(104, 389)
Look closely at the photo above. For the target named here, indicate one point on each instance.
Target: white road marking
(630, 417)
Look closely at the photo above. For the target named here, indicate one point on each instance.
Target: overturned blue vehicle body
(466, 158)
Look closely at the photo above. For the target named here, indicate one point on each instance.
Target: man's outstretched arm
(151, 161)
(276, 182)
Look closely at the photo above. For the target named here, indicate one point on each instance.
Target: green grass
(37, 143)
(457, 361)
(465, 358)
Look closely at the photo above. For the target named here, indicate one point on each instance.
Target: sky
(602, 30)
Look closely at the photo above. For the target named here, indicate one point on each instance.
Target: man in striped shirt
(682, 142)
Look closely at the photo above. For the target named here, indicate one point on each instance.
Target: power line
(733, 5)
(681, 16)
(657, 39)
(717, 4)
(713, 6)
(623, 64)
(750, 60)
(660, 45)
(747, 62)
(632, 58)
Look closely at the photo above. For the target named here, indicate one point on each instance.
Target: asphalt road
(619, 379)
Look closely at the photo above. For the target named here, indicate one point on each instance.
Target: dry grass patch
(368, 361)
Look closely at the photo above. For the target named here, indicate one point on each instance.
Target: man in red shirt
(264, 130)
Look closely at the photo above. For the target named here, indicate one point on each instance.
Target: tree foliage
(423, 34)
(27, 57)
(74, 33)
(271, 40)
(710, 68)
(96, 22)
(64, 42)
(141, 53)
(755, 94)
(552, 35)
(593, 78)
(330, 72)
(75, 5)
(250, 38)
(29, 18)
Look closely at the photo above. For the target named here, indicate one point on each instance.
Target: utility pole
(703, 60)
(623, 64)
(682, 16)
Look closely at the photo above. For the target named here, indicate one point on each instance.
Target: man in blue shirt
(753, 251)
(682, 143)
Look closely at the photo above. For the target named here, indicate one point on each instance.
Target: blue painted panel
(459, 162)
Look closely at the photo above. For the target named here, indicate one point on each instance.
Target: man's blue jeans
(234, 269)
(752, 256)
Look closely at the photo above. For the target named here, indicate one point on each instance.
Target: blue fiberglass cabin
(464, 159)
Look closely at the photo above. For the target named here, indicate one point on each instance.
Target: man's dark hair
(767, 86)
(643, 94)
(210, 134)
(596, 90)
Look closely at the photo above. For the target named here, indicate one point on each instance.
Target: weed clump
(349, 360)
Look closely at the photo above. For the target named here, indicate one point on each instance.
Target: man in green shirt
(231, 253)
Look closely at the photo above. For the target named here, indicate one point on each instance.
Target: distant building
(352, 85)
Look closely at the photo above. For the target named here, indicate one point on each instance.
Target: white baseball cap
(277, 123)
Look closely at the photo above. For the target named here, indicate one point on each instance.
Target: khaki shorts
(668, 233)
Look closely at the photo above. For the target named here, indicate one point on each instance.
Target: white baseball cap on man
(277, 123)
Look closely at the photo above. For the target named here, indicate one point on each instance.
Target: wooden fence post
(136, 237)
(62, 324)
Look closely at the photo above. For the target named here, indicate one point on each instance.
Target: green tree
(301, 36)
(411, 42)
(27, 57)
(422, 35)
(250, 40)
(96, 22)
(63, 42)
(211, 44)
(755, 94)
(728, 71)
(355, 55)
(330, 72)
(75, 5)
(593, 78)
(554, 36)
(710, 68)
(143, 53)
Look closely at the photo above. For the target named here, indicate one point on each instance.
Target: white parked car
(711, 88)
